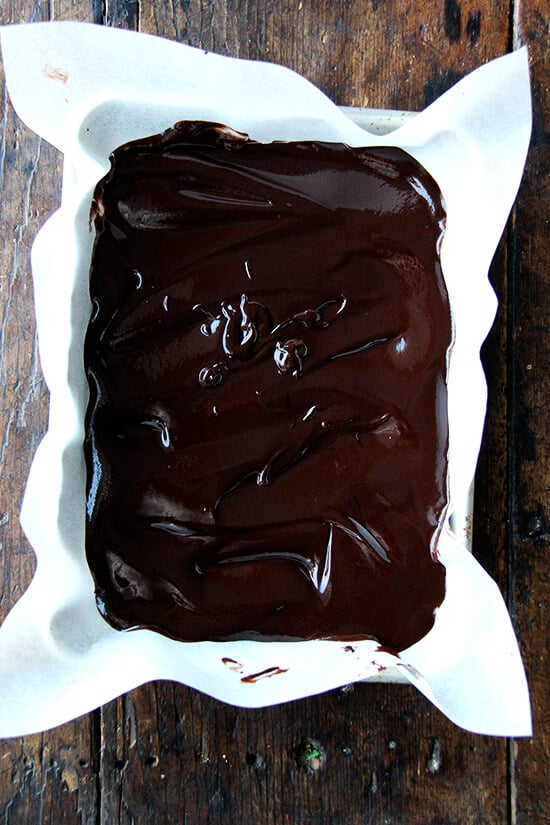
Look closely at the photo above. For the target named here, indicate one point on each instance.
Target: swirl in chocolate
(266, 436)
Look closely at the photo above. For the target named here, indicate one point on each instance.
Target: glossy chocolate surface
(267, 431)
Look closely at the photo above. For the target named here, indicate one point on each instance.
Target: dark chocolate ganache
(266, 437)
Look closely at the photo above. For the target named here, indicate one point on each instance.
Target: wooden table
(166, 754)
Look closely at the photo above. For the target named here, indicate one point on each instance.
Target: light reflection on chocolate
(267, 430)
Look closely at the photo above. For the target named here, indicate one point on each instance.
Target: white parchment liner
(87, 89)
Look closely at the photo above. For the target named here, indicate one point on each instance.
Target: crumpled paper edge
(75, 643)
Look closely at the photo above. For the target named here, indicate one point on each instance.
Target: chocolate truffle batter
(266, 436)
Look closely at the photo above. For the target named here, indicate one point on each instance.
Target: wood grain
(381, 754)
(529, 392)
(388, 757)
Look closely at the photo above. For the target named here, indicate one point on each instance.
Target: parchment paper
(87, 89)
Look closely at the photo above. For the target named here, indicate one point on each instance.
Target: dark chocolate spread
(266, 436)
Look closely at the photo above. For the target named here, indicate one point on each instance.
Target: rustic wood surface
(166, 754)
